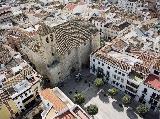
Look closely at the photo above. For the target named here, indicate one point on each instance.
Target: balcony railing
(131, 89)
(132, 84)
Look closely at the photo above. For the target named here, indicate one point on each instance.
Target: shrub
(142, 109)
(92, 109)
(113, 91)
(126, 99)
(79, 98)
(98, 82)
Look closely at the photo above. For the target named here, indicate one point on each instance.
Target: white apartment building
(26, 92)
(149, 92)
(122, 66)
(130, 5)
(99, 22)
(113, 30)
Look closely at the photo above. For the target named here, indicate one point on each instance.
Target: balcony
(144, 91)
(131, 89)
(36, 103)
(155, 96)
(132, 85)
(136, 76)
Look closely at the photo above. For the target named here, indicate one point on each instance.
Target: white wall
(147, 96)
(113, 76)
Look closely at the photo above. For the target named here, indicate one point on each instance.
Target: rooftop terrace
(153, 81)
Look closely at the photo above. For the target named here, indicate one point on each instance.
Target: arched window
(47, 40)
(51, 37)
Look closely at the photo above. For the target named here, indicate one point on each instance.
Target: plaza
(109, 108)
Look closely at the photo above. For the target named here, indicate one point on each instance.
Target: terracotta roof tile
(66, 115)
(49, 95)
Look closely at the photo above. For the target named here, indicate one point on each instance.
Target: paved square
(108, 107)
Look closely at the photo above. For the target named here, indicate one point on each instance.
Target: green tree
(142, 109)
(126, 99)
(113, 91)
(79, 98)
(92, 109)
(98, 82)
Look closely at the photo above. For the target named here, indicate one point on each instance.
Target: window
(107, 73)
(153, 95)
(144, 102)
(93, 69)
(47, 40)
(51, 37)
(116, 71)
(23, 110)
(145, 90)
(16, 115)
(122, 80)
(25, 94)
(156, 72)
(117, 84)
(102, 64)
(18, 102)
(52, 54)
(93, 60)
(4, 80)
(118, 78)
(21, 96)
(108, 67)
(119, 72)
(121, 86)
(98, 62)
(69, 52)
(123, 74)
(115, 76)
(20, 106)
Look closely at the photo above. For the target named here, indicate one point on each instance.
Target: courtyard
(109, 108)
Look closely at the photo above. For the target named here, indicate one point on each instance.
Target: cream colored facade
(5, 111)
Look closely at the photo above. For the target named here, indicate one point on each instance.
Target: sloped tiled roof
(157, 65)
(72, 34)
(103, 54)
